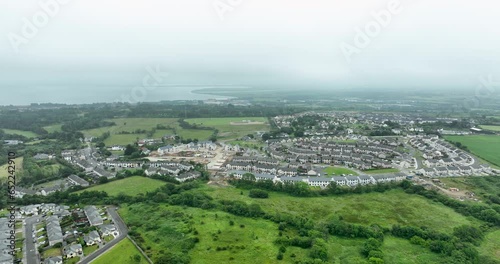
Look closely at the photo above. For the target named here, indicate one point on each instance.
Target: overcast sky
(262, 43)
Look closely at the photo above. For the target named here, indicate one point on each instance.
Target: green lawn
(399, 250)
(338, 171)
(53, 252)
(123, 252)
(53, 128)
(4, 173)
(377, 171)
(485, 147)
(130, 186)
(27, 134)
(491, 245)
(492, 128)
(72, 260)
(233, 127)
(385, 209)
(89, 250)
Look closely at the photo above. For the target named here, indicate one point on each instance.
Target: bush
(256, 193)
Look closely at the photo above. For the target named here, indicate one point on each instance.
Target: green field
(402, 251)
(27, 134)
(194, 134)
(377, 171)
(338, 171)
(53, 128)
(385, 209)
(491, 245)
(485, 147)
(233, 127)
(132, 124)
(130, 186)
(53, 252)
(123, 252)
(4, 168)
(168, 228)
(123, 139)
(492, 128)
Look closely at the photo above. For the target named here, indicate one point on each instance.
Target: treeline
(186, 125)
(83, 123)
(302, 189)
(182, 110)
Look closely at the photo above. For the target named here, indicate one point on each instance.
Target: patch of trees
(256, 193)
(241, 208)
(83, 123)
(186, 125)
(301, 189)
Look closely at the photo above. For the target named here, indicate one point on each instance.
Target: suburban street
(31, 252)
(122, 228)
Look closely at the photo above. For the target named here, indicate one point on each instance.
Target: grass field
(232, 127)
(53, 128)
(123, 252)
(132, 124)
(27, 134)
(131, 186)
(377, 171)
(168, 228)
(491, 245)
(492, 128)
(337, 171)
(194, 133)
(485, 147)
(123, 139)
(399, 250)
(4, 168)
(385, 209)
(53, 252)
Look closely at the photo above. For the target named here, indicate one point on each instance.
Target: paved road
(31, 250)
(117, 220)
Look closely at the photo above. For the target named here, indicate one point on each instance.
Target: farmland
(492, 128)
(27, 134)
(124, 252)
(485, 147)
(233, 127)
(131, 186)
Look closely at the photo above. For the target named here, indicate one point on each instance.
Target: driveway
(122, 228)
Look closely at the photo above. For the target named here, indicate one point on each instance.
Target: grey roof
(78, 180)
(53, 260)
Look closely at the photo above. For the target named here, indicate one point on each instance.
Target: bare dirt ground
(247, 123)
